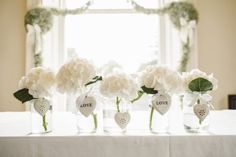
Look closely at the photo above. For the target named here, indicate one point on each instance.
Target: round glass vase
(86, 114)
(191, 121)
(111, 109)
(159, 113)
(41, 116)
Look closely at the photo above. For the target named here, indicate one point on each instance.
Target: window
(112, 31)
(113, 34)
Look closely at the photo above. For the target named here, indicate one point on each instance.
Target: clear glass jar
(41, 116)
(110, 111)
(190, 120)
(159, 113)
(87, 121)
(158, 123)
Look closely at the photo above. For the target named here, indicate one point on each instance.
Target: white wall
(12, 48)
(217, 45)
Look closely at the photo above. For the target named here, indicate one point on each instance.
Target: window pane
(129, 39)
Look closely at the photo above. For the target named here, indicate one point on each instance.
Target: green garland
(38, 60)
(178, 10)
(175, 11)
(43, 17)
(186, 49)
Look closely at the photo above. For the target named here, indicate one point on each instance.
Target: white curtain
(33, 41)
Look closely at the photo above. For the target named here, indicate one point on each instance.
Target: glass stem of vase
(150, 119)
(44, 123)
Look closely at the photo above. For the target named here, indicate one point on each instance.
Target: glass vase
(191, 121)
(159, 113)
(41, 116)
(116, 117)
(86, 114)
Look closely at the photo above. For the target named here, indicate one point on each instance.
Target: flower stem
(198, 101)
(44, 123)
(150, 120)
(95, 121)
(140, 94)
(118, 100)
(200, 122)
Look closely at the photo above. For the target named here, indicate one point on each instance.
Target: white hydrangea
(160, 78)
(39, 81)
(74, 75)
(196, 73)
(118, 85)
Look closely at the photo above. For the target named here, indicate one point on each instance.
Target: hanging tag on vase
(122, 119)
(86, 105)
(161, 102)
(201, 111)
(41, 105)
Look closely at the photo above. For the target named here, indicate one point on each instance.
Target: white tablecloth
(220, 141)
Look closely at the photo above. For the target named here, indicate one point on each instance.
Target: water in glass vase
(158, 123)
(194, 119)
(115, 118)
(41, 117)
(159, 114)
(87, 115)
(87, 124)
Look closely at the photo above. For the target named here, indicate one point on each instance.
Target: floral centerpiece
(159, 82)
(120, 88)
(198, 86)
(37, 87)
(75, 77)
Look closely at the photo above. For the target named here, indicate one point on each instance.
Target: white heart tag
(41, 105)
(86, 105)
(122, 119)
(201, 111)
(161, 102)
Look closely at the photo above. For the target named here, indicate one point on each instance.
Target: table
(220, 141)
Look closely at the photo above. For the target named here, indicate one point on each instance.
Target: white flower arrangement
(39, 81)
(197, 87)
(188, 77)
(118, 85)
(160, 78)
(74, 75)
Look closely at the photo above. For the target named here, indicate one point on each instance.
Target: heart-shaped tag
(41, 105)
(161, 102)
(86, 105)
(201, 111)
(122, 119)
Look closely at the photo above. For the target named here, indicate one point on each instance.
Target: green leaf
(200, 85)
(94, 80)
(23, 95)
(149, 90)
